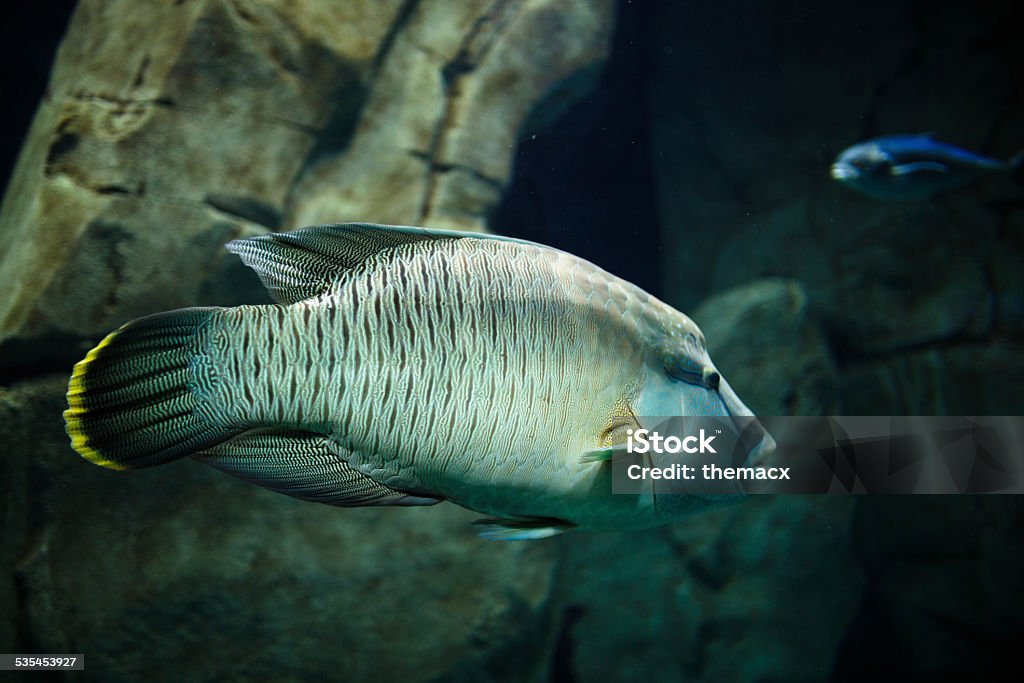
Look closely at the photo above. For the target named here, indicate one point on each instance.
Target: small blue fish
(913, 167)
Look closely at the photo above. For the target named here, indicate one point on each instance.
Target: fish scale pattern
(404, 366)
(446, 365)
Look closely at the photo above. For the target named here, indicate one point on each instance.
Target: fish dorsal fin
(302, 264)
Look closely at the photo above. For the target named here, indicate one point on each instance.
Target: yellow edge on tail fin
(76, 408)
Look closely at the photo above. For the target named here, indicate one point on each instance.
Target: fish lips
(699, 406)
(755, 439)
(741, 441)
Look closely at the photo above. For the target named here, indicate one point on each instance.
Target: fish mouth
(757, 442)
(843, 171)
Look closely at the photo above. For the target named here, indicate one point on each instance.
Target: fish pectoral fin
(918, 167)
(521, 529)
(603, 454)
(303, 465)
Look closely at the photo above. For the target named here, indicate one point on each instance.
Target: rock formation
(229, 118)
(170, 128)
(234, 117)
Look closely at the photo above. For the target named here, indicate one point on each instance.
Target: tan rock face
(766, 342)
(445, 110)
(169, 129)
(114, 204)
(209, 572)
(235, 117)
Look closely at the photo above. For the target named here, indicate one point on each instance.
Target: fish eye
(685, 364)
(686, 371)
(696, 374)
(695, 340)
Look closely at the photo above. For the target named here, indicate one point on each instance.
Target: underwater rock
(146, 156)
(187, 565)
(977, 376)
(716, 597)
(882, 275)
(20, 511)
(944, 588)
(765, 340)
(943, 58)
(434, 144)
(1008, 277)
(743, 153)
(744, 136)
(774, 566)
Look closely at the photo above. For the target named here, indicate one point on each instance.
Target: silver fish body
(406, 366)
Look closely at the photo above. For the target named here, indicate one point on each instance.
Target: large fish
(913, 167)
(405, 366)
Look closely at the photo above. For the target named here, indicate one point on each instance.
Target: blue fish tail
(1017, 161)
(1017, 166)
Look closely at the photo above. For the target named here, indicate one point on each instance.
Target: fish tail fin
(134, 402)
(1017, 166)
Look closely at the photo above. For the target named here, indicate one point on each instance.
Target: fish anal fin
(410, 500)
(521, 529)
(303, 465)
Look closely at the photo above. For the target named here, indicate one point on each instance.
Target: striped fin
(606, 454)
(299, 265)
(303, 465)
(130, 401)
(524, 529)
